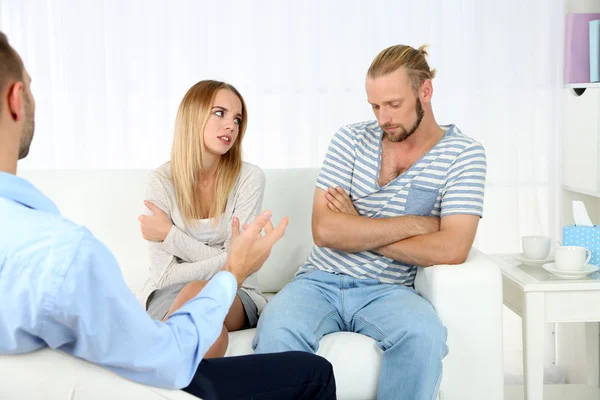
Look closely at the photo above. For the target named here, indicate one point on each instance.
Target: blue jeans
(404, 325)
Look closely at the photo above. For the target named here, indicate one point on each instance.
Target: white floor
(556, 392)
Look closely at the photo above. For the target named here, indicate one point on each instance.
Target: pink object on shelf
(577, 47)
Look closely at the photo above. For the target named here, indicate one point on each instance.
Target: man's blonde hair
(398, 56)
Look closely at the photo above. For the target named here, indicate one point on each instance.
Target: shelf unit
(582, 85)
(580, 181)
(581, 191)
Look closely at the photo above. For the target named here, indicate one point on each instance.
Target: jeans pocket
(421, 200)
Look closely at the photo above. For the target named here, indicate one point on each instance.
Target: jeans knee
(269, 332)
(430, 336)
(272, 321)
(275, 335)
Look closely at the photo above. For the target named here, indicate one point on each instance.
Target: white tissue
(580, 214)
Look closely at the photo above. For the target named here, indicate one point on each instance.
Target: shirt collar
(21, 191)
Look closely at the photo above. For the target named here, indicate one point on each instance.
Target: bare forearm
(436, 248)
(352, 233)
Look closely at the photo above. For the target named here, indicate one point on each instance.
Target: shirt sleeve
(96, 317)
(248, 205)
(185, 247)
(338, 166)
(248, 200)
(465, 187)
(185, 272)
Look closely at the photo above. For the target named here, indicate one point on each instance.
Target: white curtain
(108, 77)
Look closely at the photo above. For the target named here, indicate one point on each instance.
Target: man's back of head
(17, 108)
(11, 66)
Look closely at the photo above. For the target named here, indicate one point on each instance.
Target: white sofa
(467, 297)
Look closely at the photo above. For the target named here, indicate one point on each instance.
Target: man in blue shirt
(61, 288)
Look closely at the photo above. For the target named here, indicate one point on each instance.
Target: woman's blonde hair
(188, 152)
(394, 57)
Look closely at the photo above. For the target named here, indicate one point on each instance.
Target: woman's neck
(210, 163)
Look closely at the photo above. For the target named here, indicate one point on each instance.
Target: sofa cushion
(288, 192)
(81, 195)
(356, 360)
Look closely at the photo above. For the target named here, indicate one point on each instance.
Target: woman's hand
(156, 227)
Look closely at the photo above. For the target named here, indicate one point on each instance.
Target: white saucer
(528, 261)
(587, 269)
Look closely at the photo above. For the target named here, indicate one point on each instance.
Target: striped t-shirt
(449, 179)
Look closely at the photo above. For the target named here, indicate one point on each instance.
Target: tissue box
(585, 236)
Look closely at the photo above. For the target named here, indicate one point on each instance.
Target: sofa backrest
(108, 203)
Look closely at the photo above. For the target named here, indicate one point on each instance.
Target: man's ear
(426, 91)
(16, 108)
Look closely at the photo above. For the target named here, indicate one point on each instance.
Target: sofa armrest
(468, 300)
(52, 374)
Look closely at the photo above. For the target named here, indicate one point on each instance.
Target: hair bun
(423, 50)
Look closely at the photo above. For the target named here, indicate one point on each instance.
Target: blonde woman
(193, 200)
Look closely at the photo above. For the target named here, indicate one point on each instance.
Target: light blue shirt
(61, 288)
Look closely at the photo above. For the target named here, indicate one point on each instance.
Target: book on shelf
(577, 47)
(595, 50)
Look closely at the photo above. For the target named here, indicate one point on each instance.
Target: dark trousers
(280, 376)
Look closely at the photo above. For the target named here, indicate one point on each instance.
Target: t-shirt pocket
(421, 200)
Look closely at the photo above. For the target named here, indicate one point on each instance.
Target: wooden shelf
(582, 85)
(581, 191)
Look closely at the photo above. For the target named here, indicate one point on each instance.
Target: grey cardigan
(181, 258)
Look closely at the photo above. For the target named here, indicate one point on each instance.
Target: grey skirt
(160, 302)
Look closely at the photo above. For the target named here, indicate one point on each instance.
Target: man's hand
(339, 201)
(156, 227)
(249, 250)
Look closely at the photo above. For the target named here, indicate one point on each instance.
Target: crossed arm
(171, 247)
(411, 239)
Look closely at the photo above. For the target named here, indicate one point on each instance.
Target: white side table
(540, 297)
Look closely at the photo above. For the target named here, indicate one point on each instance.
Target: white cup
(571, 258)
(536, 247)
